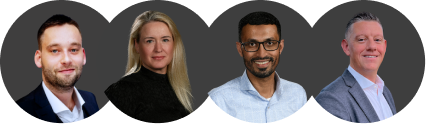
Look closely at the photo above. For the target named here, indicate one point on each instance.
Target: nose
(66, 60)
(371, 45)
(261, 51)
(158, 47)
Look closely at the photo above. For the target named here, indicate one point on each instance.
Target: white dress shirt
(374, 92)
(61, 110)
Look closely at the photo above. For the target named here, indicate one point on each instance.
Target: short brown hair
(362, 16)
(55, 20)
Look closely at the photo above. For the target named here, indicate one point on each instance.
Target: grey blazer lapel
(389, 99)
(358, 94)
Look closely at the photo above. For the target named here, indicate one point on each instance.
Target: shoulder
(231, 85)
(338, 86)
(124, 84)
(27, 100)
(87, 96)
(295, 90)
(334, 91)
(291, 86)
(85, 93)
(36, 94)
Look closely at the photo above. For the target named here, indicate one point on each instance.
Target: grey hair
(363, 16)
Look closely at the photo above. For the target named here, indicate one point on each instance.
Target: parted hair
(176, 69)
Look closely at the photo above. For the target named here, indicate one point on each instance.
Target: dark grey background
(312, 55)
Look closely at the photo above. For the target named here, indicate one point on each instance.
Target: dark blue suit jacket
(36, 104)
(344, 98)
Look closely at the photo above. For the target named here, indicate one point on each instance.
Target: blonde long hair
(176, 70)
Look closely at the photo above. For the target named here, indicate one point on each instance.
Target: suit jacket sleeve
(332, 103)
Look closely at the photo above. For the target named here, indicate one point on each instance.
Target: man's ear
(37, 58)
(281, 46)
(239, 48)
(386, 44)
(345, 47)
(84, 59)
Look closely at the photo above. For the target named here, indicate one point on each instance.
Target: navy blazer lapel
(89, 110)
(358, 94)
(90, 105)
(45, 112)
(388, 96)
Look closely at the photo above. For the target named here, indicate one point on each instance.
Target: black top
(146, 96)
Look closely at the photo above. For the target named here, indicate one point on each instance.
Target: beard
(263, 72)
(62, 83)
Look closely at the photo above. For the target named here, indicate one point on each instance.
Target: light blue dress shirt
(241, 100)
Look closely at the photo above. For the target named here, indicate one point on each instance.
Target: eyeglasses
(253, 46)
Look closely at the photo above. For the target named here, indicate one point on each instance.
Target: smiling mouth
(158, 57)
(262, 63)
(66, 71)
(371, 56)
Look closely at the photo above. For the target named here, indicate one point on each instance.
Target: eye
(149, 41)
(252, 44)
(165, 40)
(361, 39)
(378, 40)
(269, 43)
(54, 51)
(73, 50)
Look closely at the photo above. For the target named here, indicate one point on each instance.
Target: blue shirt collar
(246, 85)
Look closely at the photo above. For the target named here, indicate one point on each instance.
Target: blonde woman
(155, 87)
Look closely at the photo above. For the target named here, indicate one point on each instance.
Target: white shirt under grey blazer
(345, 99)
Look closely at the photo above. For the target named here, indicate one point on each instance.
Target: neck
(369, 74)
(65, 96)
(265, 86)
(158, 71)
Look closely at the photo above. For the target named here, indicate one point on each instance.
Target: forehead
(62, 35)
(155, 28)
(372, 28)
(259, 32)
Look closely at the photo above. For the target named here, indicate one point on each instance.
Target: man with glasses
(259, 95)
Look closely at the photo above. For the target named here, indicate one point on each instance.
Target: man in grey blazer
(360, 95)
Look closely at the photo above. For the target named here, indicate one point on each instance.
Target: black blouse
(146, 96)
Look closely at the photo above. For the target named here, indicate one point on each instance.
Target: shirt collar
(246, 85)
(57, 104)
(364, 82)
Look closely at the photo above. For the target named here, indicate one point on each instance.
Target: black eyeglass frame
(242, 44)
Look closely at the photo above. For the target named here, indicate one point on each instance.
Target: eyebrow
(76, 44)
(254, 40)
(360, 35)
(367, 36)
(56, 45)
(52, 45)
(154, 38)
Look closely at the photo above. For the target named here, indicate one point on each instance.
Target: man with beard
(61, 57)
(259, 95)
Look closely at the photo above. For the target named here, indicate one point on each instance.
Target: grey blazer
(345, 99)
